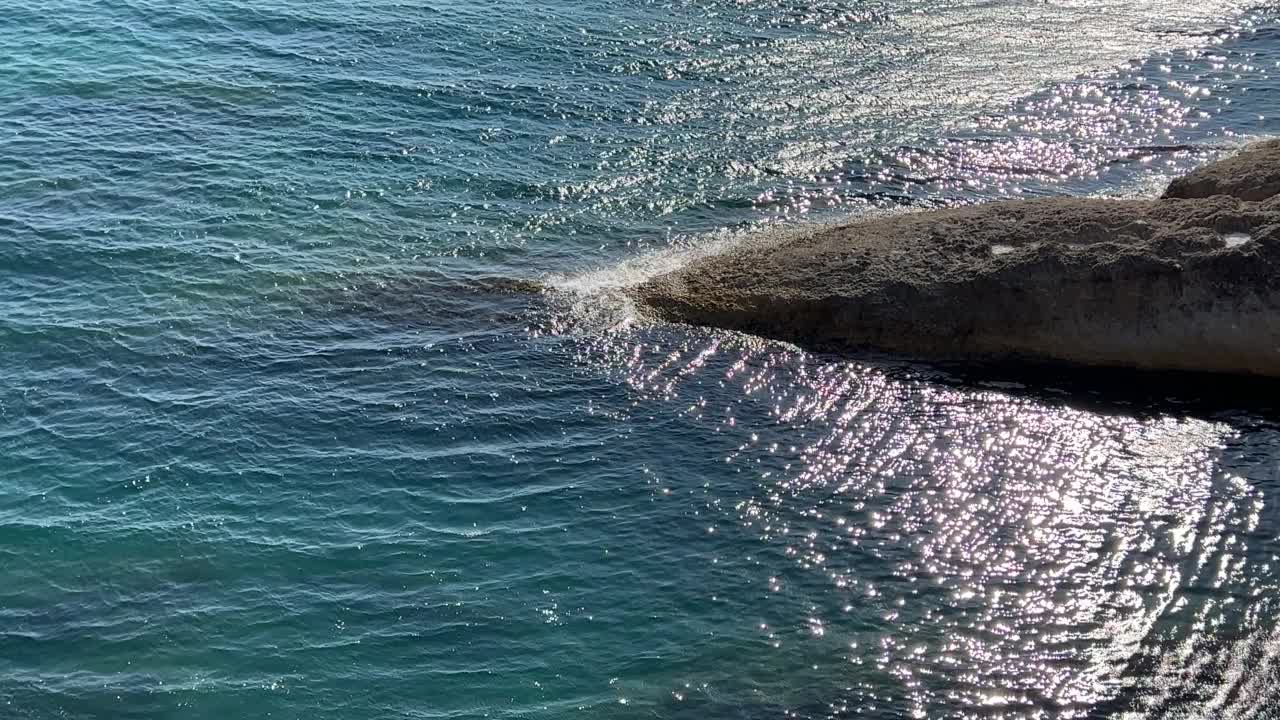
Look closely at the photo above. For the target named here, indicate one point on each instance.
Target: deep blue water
(281, 436)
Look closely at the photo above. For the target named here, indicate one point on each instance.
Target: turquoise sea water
(281, 436)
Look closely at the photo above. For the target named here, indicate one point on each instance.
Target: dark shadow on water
(1244, 401)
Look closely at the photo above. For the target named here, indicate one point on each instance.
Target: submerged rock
(1170, 284)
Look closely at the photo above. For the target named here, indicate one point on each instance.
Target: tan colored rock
(1170, 284)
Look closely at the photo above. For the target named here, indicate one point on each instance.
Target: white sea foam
(596, 299)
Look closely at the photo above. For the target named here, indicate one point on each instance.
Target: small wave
(596, 300)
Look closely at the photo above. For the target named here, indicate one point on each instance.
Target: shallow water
(284, 434)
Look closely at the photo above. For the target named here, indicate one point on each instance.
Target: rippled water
(284, 435)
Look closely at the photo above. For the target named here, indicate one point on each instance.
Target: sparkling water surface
(284, 434)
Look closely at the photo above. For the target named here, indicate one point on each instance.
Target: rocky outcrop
(1252, 175)
(1172, 284)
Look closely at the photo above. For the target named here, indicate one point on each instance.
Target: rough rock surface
(1252, 175)
(1172, 284)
